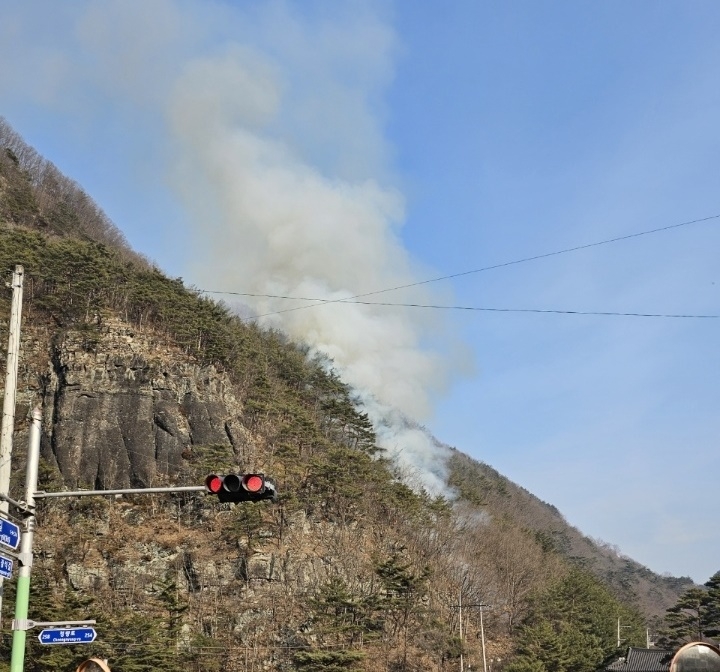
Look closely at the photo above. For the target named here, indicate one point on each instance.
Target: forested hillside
(144, 381)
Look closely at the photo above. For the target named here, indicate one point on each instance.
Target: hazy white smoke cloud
(275, 223)
(273, 122)
(270, 222)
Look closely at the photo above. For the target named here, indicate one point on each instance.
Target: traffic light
(241, 487)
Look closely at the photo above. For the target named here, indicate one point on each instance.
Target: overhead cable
(532, 310)
(320, 302)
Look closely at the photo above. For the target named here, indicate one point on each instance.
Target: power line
(532, 310)
(350, 299)
(490, 310)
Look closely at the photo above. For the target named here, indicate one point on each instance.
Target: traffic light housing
(241, 487)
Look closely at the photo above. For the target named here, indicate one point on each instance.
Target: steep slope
(144, 382)
(629, 580)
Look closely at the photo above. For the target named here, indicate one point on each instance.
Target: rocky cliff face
(127, 410)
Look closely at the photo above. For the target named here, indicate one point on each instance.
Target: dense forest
(351, 568)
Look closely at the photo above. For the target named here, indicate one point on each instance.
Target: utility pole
(619, 627)
(480, 606)
(462, 668)
(8, 417)
(482, 635)
(22, 599)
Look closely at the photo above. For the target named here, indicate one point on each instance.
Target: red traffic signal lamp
(241, 487)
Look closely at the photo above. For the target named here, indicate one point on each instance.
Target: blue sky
(325, 149)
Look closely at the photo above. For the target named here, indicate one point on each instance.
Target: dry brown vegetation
(350, 570)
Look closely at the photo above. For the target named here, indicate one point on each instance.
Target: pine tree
(686, 620)
(572, 627)
(327, 661)
(712, 606)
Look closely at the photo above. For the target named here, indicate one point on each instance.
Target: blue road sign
(6, 567)
(9, 534)
(67, 636)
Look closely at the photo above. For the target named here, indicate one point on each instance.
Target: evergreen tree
(341, 617)
(168, 596)
(695, 616)
(327, 661)
(712, 606)
(573, 627)
(686, 621)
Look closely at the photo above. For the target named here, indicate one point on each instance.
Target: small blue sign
(9, 534)
(67, 636)
(6, 567)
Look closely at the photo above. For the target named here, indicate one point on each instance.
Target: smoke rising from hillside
(273, 222)
(272, 120)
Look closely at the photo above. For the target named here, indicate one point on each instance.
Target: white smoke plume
(273, 123)
(273, 223)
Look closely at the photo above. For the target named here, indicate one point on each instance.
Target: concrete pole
(462, 663)
(8, 416)
(22, 601)
(13, 356)
(482, 635)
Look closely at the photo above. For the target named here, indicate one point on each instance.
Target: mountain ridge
(144, 381)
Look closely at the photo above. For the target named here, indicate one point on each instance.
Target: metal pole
(22, 600)
(482, 636)
(27, 625)
(461, 634)
(126, 491)
(8, 417)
